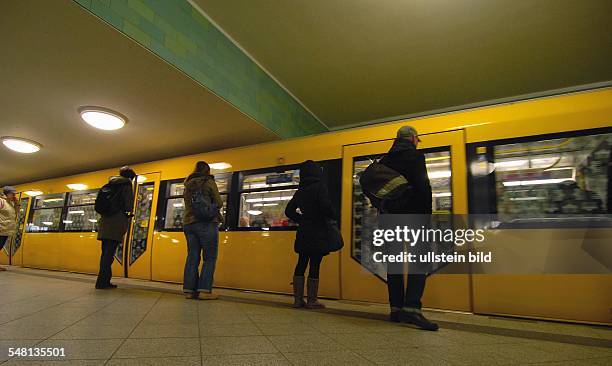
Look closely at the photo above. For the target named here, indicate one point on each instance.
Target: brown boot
(298, 292)
(312, 291)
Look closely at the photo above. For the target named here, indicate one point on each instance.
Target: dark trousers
(109, 247)
(409, 296)
(303, 260)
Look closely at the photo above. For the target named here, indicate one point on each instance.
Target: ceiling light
(77, 186)
(33, 193)
(220, 166)
(102, 118)
(21, 145)
(254, 212)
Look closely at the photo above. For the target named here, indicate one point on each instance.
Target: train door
(135, 260)
(11, 253)
(446, 165)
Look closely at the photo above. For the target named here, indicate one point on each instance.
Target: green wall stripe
(183, 37)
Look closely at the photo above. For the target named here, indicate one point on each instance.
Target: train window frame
(486, 184)
(240, 176)
(68, 206)
(34, 209)
(165, 197)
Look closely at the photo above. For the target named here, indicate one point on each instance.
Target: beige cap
(407, 131)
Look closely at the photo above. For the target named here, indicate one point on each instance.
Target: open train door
(446, 166)
(134, 256)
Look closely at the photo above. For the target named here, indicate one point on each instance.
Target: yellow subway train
(519, 142)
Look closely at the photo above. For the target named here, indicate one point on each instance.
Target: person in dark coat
(404, 158)
(112, 229)
(311, 208)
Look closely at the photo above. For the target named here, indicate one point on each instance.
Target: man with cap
(112, 228)
(8, 215)
(404, 158)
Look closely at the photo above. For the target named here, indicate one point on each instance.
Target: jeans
(315, 263)
(3, 240)
(109, 247)
(202, 240)
(405, 297)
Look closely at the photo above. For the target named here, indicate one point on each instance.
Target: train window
(264, 196)
(81, 215)
(175, 205)
(566, 176)
(46, 213)
(45, 219)
(438, 163)
(48, 201)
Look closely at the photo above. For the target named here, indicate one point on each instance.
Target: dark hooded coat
(315, 209)
(115, 226)
(404, 158)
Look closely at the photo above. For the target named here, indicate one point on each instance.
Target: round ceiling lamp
(21, 145)
(102, 118)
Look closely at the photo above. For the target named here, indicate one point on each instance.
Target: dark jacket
(115, 226)
(404, 158)
(206, 183)
(312, 199)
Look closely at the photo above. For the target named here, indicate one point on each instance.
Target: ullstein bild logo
(484, 244)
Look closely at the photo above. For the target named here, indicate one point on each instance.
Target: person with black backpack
(201, 228)
(114, 203)
(399, 184)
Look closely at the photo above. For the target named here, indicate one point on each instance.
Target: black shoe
(395, 316)
(105, 287)
(419, 320)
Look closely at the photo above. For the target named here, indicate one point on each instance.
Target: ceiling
(350, 62)
(357, 61)
(61, 58)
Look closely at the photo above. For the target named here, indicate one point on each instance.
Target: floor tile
(286, 328)
(305, 343)
(265, 359)
(15, 362)
(242, 329)
(158, 347)
(6, 344)
(237, 345)
(89, 331)
(323, 358)
(162, 361)
(404, 357)
(179, 330)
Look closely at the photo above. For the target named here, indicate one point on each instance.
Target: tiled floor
(132, 326)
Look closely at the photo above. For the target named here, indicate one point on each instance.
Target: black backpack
(381, 183)
(108, 200)
(204, 209)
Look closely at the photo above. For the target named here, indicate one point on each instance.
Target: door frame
(141, 268)
(356, 282)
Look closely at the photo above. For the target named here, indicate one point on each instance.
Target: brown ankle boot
(298, 292)
(312, 290)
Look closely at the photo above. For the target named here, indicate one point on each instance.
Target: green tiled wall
(179, 34)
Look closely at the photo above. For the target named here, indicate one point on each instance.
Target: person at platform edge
(202, 235)
(112, 228)
(404, 158)
(8, 216)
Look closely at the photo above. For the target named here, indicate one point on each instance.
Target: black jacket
(312, 199)
(404, 158)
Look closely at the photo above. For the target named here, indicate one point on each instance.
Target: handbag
(336, 242)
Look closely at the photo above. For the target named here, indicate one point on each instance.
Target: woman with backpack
(8, 216)
(201, 228)
(312, 209)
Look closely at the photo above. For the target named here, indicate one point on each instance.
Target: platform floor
(149, 323)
